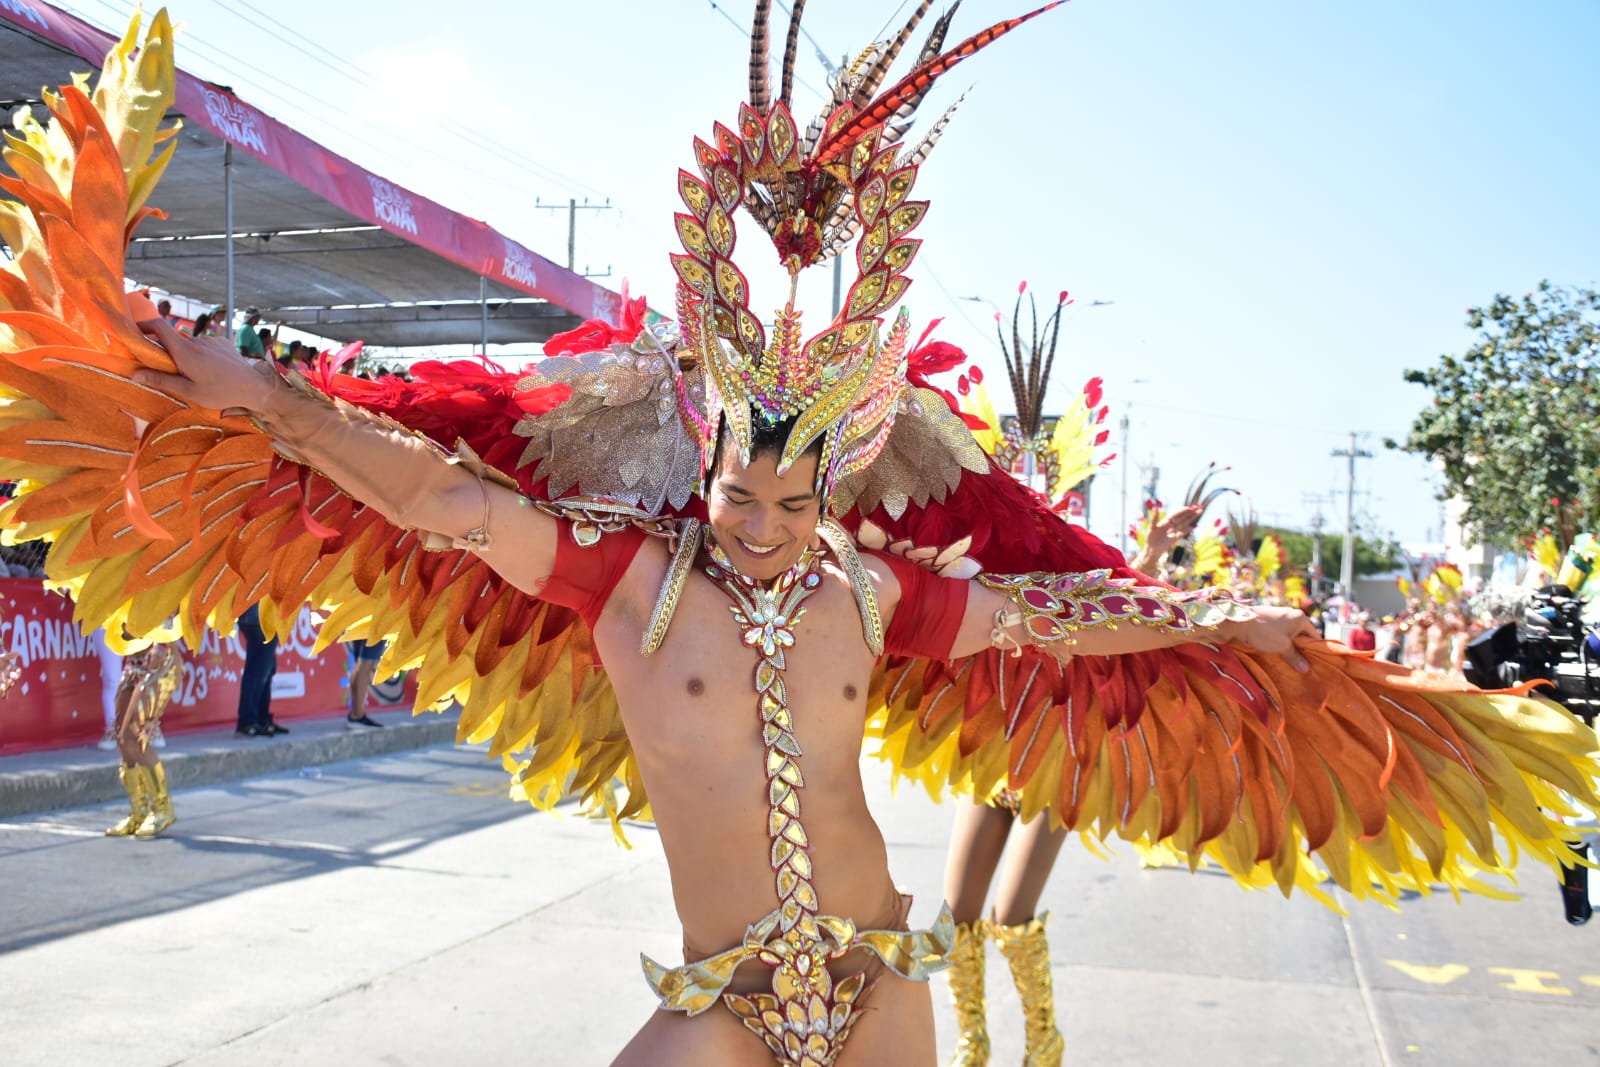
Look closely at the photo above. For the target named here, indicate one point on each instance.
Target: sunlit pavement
(398, 910)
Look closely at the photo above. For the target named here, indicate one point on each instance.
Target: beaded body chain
(806, 1017)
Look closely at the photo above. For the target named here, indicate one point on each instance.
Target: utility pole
(572, 209)
(1126, 457)
(1318, 521)
(227, 210)
(1122, 543)
(1151, 478)
(1347, 568)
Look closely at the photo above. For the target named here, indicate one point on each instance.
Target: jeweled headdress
(847, 175)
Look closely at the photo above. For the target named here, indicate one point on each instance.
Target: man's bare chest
(698, 691)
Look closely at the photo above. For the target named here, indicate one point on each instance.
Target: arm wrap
(1050, 608)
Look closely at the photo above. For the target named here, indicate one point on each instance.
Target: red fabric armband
(929, 617)
(583, 578)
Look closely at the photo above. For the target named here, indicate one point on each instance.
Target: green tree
(1373, 554)
(1515, 420)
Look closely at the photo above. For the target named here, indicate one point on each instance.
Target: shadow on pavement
(64, 877)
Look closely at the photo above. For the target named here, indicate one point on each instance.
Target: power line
(383, 152)
(822, 53)
(289, 31)
(732, 21)
(199, 44)
(1347, 567)
(746, 35)
(355, 73)
(322, 106)
(925, 267)
(1220, 417)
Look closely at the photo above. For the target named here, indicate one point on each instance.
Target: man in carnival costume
(615, 507)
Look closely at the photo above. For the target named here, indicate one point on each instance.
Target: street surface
(399, 911)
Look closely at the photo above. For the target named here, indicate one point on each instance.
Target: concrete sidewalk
(70, 777)
(398, 911)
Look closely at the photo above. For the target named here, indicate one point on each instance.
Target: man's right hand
(210, 373)
(1180, 524)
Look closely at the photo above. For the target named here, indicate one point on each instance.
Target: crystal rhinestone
(1117, 605)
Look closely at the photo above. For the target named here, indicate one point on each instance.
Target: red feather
(596, 334)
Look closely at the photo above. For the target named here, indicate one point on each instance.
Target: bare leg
(1027, 870)
(976, 844)
(671, 1039)
(129, 747)
(361, 685)
(894, 1026)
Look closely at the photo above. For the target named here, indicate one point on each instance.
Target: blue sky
(1287, 203)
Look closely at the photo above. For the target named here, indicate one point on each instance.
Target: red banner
(468, 242)
(57, 701)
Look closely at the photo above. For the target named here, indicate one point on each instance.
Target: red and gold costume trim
(1050, 608)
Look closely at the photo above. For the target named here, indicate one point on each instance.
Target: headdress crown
(846, 176)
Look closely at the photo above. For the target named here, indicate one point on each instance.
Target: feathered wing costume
(156, 508)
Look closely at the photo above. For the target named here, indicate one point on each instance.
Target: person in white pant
(110, 675)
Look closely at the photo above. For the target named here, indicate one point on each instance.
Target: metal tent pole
(483, 311)
(227, 199)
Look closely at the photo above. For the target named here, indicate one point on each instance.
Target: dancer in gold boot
(1026, 950)
(161, 814)
(978, 844)
(136, 781)
(966, 990)
(149, 679)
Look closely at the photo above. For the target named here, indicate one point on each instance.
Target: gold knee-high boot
(136, 783)
(966, 990)
(161, 815)
(1026, 950)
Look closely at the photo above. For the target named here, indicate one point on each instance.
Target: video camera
(1548, 631)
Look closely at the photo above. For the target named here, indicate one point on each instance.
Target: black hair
(766, 437)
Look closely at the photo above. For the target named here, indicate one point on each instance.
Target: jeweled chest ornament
(766, 616)
(806, 1017)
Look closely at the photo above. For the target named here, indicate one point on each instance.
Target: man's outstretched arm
(997, 616)
(951, 618)
(402, 475)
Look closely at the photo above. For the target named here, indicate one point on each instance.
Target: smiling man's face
(762, 519)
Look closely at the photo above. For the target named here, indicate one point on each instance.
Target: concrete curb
(91, 778)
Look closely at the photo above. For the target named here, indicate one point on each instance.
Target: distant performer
(149, 679)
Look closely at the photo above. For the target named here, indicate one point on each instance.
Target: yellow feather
(979, 403)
